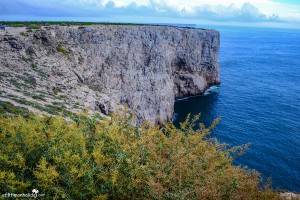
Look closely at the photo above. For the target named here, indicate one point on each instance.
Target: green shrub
(17, 25)
(33, 26)
(23, 34)
(29, 79)
(39, 97)
(112, 159)
(7, 108)
(26, 59)
(62, 50)
(33, 65)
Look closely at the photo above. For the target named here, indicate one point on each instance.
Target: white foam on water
(212, 89)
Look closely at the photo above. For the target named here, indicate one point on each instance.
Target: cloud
(247, 12)
(250, 12)
(192, 9)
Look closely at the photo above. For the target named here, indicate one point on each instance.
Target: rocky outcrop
(103, 67)
(289, 196)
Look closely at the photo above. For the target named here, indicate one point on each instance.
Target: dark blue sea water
(258, 100)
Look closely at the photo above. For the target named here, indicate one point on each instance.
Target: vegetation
(23, 34)
(39, 97)
(29, 80)
(112, 159)
(76, 105)
(26, 59)
(33, 65)
(61, 23)
(7, 108)
(56, 90)
(50, 109)
(37, 24)
(81, 27)
(33, 26)
(62, 50)
(4, 74)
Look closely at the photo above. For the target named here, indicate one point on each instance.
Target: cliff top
(29, 24)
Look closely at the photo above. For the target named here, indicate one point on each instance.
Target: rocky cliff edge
(104, 67)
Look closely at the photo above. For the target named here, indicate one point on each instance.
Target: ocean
(258, 101)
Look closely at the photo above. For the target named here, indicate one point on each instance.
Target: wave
(211, 90)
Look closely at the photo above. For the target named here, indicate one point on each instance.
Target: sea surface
(258, 101)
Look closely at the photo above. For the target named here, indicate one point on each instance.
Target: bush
(111, 159)
(7, 108)
(17, 25)
(23, 34)
(62, 50)
(33, 26)
(33, 65)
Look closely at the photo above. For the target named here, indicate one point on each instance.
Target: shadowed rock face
(101, 67)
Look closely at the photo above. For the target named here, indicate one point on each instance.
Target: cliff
(103, 67)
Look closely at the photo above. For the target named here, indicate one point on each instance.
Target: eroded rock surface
(103, 67)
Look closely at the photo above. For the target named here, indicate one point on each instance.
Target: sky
(277, 13)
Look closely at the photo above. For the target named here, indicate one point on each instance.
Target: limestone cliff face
(101, 67)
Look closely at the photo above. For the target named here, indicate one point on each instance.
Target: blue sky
(279, 13)
(294, 2)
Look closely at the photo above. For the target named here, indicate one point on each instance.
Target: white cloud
(268, 8)
(193, 9)
(215, 10)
